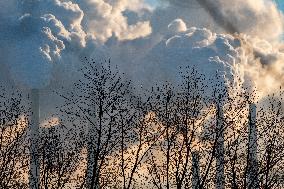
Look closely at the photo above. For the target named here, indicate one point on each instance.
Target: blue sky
(152, 2)
(281, 4)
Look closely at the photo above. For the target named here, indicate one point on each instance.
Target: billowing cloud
(44, 42)
(177, 25)
(217, 56)
(35, 39)
(223, 58)
(105, 18)
(261, 19)
(263, 64)
(258, 18)
(39, 38)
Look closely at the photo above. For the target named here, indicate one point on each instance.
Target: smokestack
(252, 149)
(34, 139)
(92, 161)
(90, 155)
(220, 178)
(195, 170)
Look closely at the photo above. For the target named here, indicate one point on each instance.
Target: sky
(43, 43)
(154, 3)
(280, 4)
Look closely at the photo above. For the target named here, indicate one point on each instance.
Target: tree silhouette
(104, 105)
(195, 134)
(13, 144)
(58, 159)
(265, 171)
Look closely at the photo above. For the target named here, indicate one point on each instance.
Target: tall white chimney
(91, 155)
(34, 139)
(195, 170)
(252, 149)
(220, 157)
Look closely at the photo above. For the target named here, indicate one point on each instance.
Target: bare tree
(103, 105)
(255, 155)
(182, 112)
(59, 157)
(187, 136)
(229, 136)
(13, 144)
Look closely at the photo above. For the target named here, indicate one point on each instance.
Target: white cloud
(105, 18)
(177, 25)
(214, 55)
(259, 18)
(50, 33)
(47, 42)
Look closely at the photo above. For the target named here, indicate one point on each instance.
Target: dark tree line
(191, 135)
